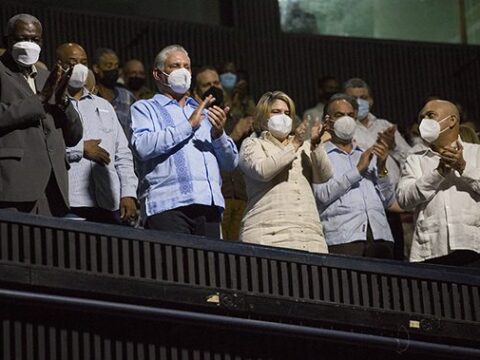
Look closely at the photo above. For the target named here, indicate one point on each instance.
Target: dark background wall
(401, 74)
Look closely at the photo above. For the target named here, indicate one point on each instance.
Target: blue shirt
(92, 184)
(349, 201)
(177, 165)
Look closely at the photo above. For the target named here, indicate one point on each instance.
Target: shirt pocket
(427, 230)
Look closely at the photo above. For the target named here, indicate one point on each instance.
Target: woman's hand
(299, 137)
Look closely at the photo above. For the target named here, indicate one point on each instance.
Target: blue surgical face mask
(228, 80)
(363, 108)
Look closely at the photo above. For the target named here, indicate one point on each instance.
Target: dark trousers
(193, 219)
(97, 214)
(370, 248)
(395, 222)
(50, 204)
(465, 258)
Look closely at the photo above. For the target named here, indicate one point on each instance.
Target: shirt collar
(331, 147)
(424, 150)
(165, 100)
(85, 94)
(266, 135)
(33, 72)
(371, 119)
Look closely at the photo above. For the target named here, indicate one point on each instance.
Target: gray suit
(32, 139)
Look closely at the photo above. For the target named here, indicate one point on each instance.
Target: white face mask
(280, 125)
(430, 129)
(79, 76)
(25, 53)
(344, 128)
(179, 80)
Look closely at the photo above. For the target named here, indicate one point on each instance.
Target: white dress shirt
(92, 184)
(447, 209)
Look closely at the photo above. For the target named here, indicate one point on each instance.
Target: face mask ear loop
(445, 118)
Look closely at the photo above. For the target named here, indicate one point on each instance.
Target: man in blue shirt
(352, 203)
(180, 149)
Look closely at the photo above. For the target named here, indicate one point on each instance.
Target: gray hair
(337, 97)
(25, 18)
(356, 83)
(159, 62)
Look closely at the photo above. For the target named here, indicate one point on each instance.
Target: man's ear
(370, 101)
(455, 121)
(156, 73)
(95, 69)
(327, 122)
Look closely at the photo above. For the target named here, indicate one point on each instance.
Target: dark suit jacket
(32, 140)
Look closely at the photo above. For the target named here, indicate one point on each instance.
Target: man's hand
(197, 116)
(218, 118)
(388, 136)
(380, 148)
(244, 126)
(92, 151)
(299, 137)
(451, 158)
(364, 160)
(316, 133)
(128, 209)
(51, 83)
(62, 84)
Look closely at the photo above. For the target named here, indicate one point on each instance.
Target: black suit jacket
(32, 139)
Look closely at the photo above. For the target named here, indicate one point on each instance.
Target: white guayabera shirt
(447, 209)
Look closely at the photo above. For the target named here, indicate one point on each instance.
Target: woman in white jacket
(279, 169)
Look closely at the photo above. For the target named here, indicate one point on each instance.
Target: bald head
(71, 54)
(446, 114)
(441, 108)
(24, 19)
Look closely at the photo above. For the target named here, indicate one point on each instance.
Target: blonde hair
(264, 107)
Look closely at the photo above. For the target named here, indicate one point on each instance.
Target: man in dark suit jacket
(37, 122)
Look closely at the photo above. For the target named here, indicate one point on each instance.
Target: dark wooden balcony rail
(45, 258)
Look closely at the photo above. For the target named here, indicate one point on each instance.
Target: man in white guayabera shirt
(441, 183)
(102, 181)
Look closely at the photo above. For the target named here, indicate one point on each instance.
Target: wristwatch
(383, 173)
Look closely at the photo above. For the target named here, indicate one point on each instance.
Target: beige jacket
(281, 209)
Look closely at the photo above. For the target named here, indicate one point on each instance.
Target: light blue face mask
(228, 80)
(363, 108)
